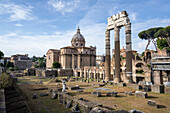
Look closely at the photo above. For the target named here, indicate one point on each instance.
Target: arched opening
(148, 55)
(139, 64)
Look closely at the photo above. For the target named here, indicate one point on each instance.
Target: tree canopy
(1, 54)
(161, 43)
(56, 65)
(149, 35)
(164, 33)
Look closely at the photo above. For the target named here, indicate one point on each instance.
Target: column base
(116, 80)
(157, 88)
(107, 79)
(129, 77)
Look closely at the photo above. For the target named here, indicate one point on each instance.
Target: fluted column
(128, 53)
(107, 57)
(117, 54)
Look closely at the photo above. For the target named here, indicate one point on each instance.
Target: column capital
(116, 28)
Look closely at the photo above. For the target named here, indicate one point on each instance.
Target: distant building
(5, 59)
(52, 55)
(21, 61)
(75, 56)
(99, 59)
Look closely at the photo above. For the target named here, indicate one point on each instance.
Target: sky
(35, 26)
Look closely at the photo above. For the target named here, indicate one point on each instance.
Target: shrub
(5, 80)
(11, 68)
(148, 65)
(56, 65)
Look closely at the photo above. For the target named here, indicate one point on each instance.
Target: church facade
(75, 56)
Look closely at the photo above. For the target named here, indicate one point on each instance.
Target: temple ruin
(115, 23)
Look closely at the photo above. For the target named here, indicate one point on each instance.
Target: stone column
(95, 74)
(81, 73)
(73, 61)
(158, 79)
(128, 53)
(107, 57)
(85, 73)
(117, 55)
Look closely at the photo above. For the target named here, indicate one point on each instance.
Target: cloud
(63, 6)
(18, 25)
(17, 12)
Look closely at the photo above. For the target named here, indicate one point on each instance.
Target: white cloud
(18, 25)
(17, 12)
(63, 6)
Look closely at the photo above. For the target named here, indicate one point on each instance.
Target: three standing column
(107, 57)
(128, 53)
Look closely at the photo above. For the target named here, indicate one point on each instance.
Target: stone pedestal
(117, 55)
(107, 57)
(157, 88)
(158, 79)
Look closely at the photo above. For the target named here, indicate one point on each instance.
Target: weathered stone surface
(141, 94)
(54, 95)
(157, 88)
(134, 86)
(75, 108)
(43, 94)
(118, 111)
(135, 111)
(96, 110)
(147, 88)
(73, 87)
(34, 96)
(112, 94)
(152, 103)
(167, 90)
(121, 84)
(56, 89)
(69, 104)
(96, 93)
(128, 93)
(167, 84)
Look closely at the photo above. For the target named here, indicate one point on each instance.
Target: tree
(164, 33)
(56, 64)
(42, 64)
(161, 43)
(9, 64)
(143, 53)
(1, 54)
(149, 35)
(34, 58)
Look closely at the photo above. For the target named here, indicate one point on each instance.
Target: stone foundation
(134, 86)
(167, 90)
(157, 88)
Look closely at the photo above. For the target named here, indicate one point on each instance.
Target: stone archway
(115, 22)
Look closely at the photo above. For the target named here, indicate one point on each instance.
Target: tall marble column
(128, 53)
(117, 54)
(107, 57)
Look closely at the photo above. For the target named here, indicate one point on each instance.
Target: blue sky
(34, 26)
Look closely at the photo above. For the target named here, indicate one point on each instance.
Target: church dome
(78, 40)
